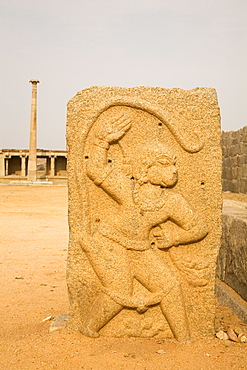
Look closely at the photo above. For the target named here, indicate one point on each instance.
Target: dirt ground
(33, 245)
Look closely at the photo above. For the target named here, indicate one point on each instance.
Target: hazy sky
(71, 45)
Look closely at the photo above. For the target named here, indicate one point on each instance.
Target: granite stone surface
(144, 175)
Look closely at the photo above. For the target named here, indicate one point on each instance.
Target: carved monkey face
(163, 172)
(155, 164)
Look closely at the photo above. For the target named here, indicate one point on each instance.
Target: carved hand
(114, 130)
(164, 238)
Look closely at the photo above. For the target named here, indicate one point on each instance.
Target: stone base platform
(33, 183)
(231, 288)
(229, 298)
(55, 180)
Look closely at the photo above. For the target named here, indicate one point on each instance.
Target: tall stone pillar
(23, 165)
(2, 164)
(32, 162)
(52, 171)
(6, 166)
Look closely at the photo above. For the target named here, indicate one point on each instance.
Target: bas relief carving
(147, 218)
(120, 249)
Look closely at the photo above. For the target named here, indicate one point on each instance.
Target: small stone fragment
(19, 277)
(47, 318)
(130, 355)
(232, 335)
(238, 330)
(219, 328)
(242, 338)
(161, 351)
(222, 335)
(160, 341)
(59, 322)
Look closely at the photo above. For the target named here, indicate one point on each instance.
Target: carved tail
(195, 144)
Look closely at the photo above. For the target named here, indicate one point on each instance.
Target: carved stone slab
(144, 171)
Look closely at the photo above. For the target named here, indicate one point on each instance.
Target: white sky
(71, 45)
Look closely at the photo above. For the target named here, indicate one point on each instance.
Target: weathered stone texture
(234, 150)
(243, 186)
(227, 297)
(232, 258)
(143, 242)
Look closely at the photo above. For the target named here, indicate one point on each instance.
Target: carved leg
(110, 263)
(151, 271)
(173, 309)
(102, 311)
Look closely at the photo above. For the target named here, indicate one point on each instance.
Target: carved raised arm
(110, 132)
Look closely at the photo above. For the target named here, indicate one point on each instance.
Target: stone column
(32, 162)
(52, 170)
(23, 165)
(2, 165)
(6, 166)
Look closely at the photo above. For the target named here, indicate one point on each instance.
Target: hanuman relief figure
(120, 250)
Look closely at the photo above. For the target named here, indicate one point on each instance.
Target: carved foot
(89, 333)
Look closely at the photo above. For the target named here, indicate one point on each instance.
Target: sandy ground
(33, 245)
